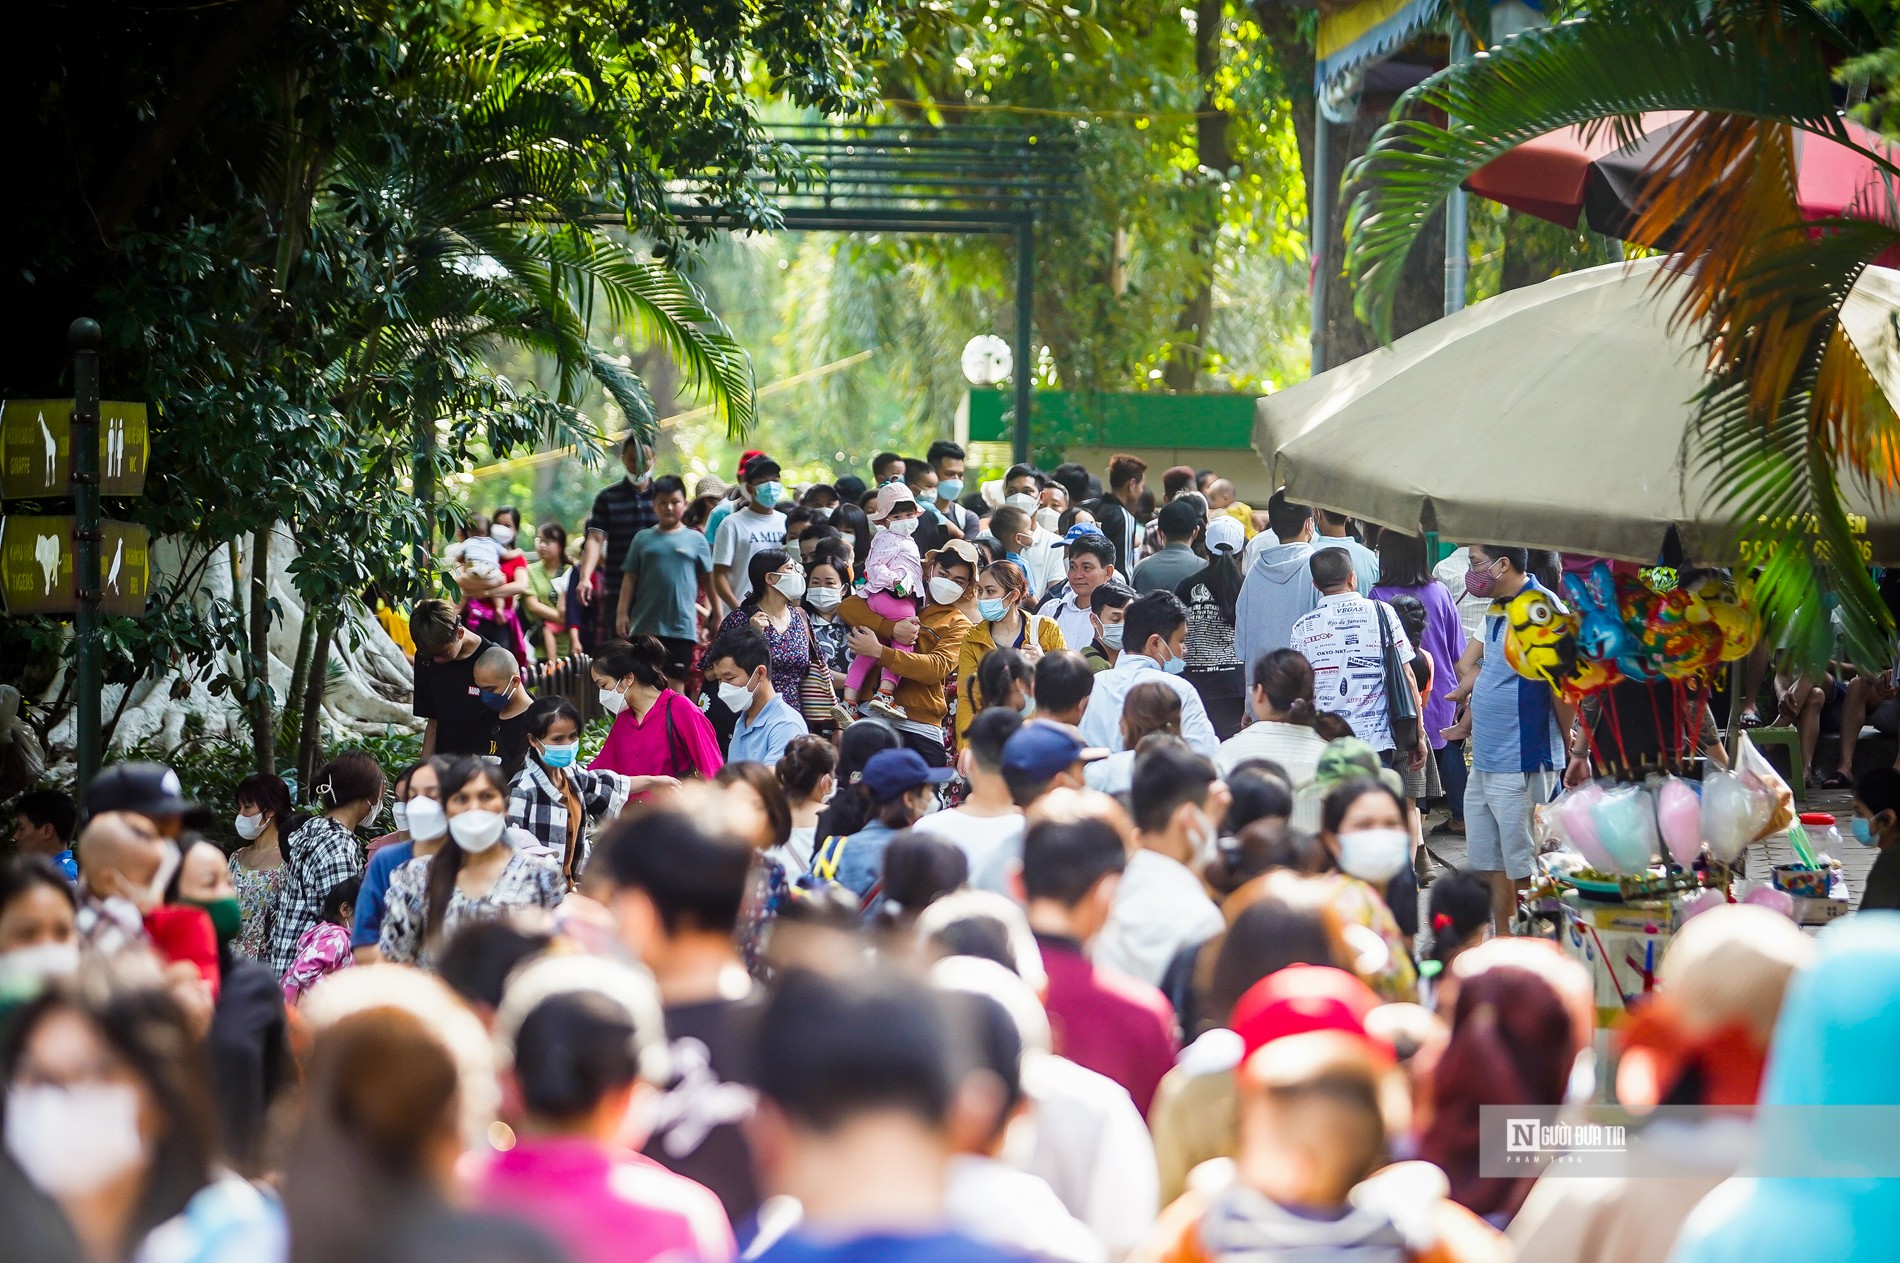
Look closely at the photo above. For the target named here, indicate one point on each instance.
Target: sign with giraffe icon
(36, 442)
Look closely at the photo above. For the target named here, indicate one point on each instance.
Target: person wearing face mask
(493, 575)
(739, 661)
(947, 462)
(902, 789)
(827, 583)
(1154, 650)
(108, 1115)
(39, 939)
(1160, 905)
(894, 589)
(479, 877)
(421, 828)
(257, 868)
(1000, 595)
(1362, 830)
(561, 803)
(773, 608)
(499, 684)
(660, 580)
(249, 1041)
(446, 694)
(922, 651)
(655, 732)
(324, 849)
(1107, 607)
(1876, 823)
(756, 527)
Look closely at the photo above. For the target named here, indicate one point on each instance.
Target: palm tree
(1788, 403)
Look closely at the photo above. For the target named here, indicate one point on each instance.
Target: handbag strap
(673, 740)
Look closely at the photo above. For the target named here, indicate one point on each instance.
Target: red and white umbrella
(1562, 178)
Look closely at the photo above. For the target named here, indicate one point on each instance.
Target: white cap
(1225, 534)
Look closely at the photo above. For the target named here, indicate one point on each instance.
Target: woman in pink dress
(655, 732)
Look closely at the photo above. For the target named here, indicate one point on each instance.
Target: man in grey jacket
(1278, 588)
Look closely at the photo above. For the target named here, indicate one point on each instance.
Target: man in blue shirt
(43, 825)
(858, 1072)
(1518, 728)
(741, 662)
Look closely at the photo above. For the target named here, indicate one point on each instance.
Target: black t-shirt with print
(698, 1129)
(446, 693)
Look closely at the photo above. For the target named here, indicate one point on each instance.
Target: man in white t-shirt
(1341, 638)
(988, 826)
(755, 528)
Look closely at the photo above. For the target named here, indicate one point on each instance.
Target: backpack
(823, 874)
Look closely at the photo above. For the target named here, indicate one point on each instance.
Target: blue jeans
(1451, 774)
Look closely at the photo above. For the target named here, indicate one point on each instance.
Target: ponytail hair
(1460, 906)
(446, 864)
(641, 657)
(1286, 677)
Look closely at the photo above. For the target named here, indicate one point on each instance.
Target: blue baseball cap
(1042, 748)
(1080, 529)
(889, 773)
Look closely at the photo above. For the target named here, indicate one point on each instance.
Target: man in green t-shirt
(659, 580)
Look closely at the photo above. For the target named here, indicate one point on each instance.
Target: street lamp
(986, 360)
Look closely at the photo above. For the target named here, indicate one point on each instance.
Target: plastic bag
(1733, 813)
(1625, 818)
(1679, 819)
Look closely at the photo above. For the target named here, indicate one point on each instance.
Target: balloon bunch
(1645, 628)
(1623, 829)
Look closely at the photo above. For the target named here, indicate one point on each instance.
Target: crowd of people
(1032, 873)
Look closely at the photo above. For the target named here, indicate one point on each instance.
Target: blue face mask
(496, 701)
(560, 755)
(1174, 666)
(991, 609)
(1864, 831)
(768, 494)
(949, 488)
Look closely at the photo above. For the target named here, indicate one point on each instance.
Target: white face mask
(72, 1140)
(399, 812)
(1027, 503)
(1047, 519)
(375, 810)
(903, 526)
(476, 831)
(1374, 855)
(612, 702)
(945, 591)
(426, 821)
(26, 968)
(790, 586)
(167, 865)
(249, 827)
(1112, 635)
(502, 534)
(824, 600)
(737, 697)
(1204, 839)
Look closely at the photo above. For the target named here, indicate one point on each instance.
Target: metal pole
(1457, 206)
(1319, 234)
(84, 337)
(1024, 350)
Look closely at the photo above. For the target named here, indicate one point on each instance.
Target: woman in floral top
(778, 582)
(257, 870)
(479, 878)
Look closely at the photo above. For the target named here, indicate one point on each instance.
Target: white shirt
(1341, 639)
(1086, 1138)
(1102, 721)
(1294, 747)
(742, 534)
(1113, 775)
(1160, 908)
(1255, 546)
(1047, 563)
(992, 844)
(1471, 609)
(998, 1204)
(1075, 622)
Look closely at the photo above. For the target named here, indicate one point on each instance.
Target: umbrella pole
(1734, 734)
(1319, 232)
(1457, 207)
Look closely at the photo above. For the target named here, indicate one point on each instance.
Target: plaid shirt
(317, 856)
(620, 512)
(109, 926)
(534, 804)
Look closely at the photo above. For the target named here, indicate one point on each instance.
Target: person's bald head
(494, 668)
(122, 843)
(1220, 494)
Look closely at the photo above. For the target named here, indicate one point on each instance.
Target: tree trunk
(1421, 294)
(257, 687)
(300, 675)
(1189, 347)
(310, 731)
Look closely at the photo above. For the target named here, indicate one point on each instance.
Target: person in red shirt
(1110, 1023)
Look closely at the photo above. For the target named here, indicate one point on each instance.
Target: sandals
(1750, 719)
(1836, 779)
(1447, 828)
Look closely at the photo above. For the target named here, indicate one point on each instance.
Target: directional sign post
(36, 451)
(83, 336)
(36, 565)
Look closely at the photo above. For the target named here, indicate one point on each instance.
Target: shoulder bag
(816, 692)
(1401, 707)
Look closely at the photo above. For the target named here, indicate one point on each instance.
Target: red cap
(745, 458)
(1301, 999)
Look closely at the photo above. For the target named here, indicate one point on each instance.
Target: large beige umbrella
(1549, 417)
